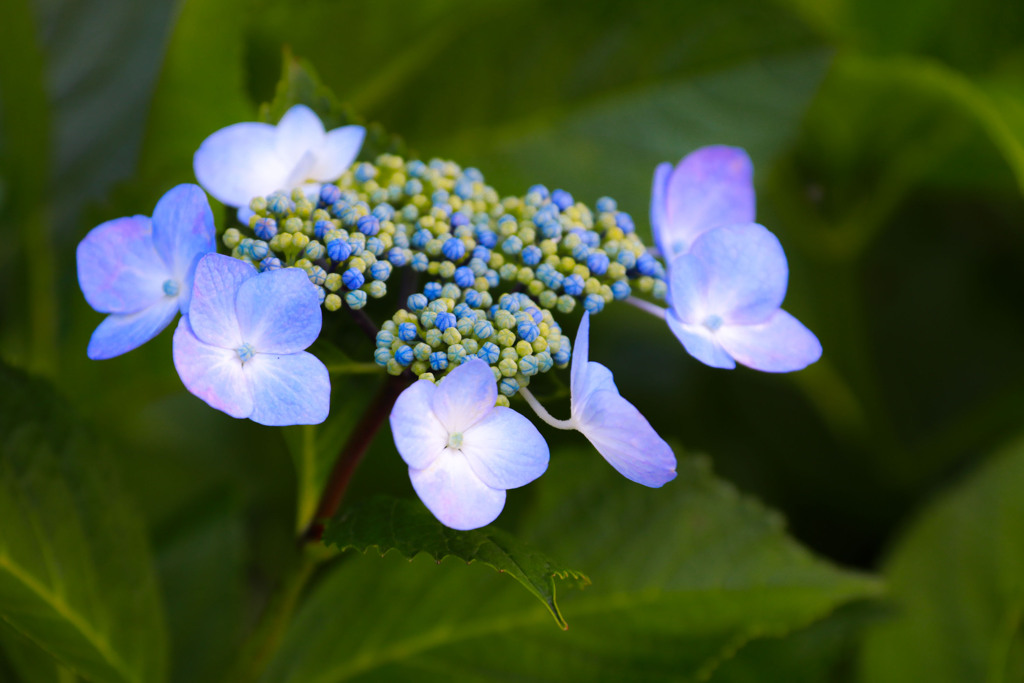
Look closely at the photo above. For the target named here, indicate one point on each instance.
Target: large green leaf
(75, 570)
(957, 580)
(682, 577)
(405, 526)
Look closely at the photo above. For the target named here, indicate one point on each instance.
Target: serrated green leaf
(682, 577)
(405, 526)
(75, 570)
(957, 583)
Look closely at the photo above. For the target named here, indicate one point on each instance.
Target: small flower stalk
(486, 281)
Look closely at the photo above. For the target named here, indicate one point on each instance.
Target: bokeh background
(888, 143)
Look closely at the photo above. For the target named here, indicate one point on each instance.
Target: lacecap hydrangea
(462, 291)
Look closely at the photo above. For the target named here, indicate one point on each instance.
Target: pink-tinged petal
(340, 148)
(659, 208)
(626, 439)
(700, 343)
(299, 131)
(288, 389)
(122, 332)
(745, 273)
(419, 436)
(211, 373)
(278, 311)
(240, 162)
(465, 395)
(505, 450)
(212, 312)
(453, 493)
(781, 344)
(580, 355)
(119, 270)
(710, 188)
(183, 231)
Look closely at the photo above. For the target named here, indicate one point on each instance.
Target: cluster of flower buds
(485, 280)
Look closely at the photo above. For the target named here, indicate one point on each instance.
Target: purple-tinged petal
(299, 131)
(278, 311)
(119, 270)
(122, 332)
(465, 396)
(595, 378)
(700, 343)
(505, 450)
(212, 313)
(745, 273)
(688, 283)
(711, 187)
(340, 148)
(240, 162)
(580, 356)
(183, 231)
(626, 439)
(288, 389)
(419, 436)
(781, 344)
(453, 493)
(659, 208)
(211, 373)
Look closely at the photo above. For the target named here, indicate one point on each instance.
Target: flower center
(171, 287)
(455, 440)
(713, 322)
(245, 351)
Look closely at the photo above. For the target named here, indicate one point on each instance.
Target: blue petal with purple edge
(212, 313)
(212, 373)
(122, 332)
(465, 395)
(419, 436)
(240, 162)
(455, 495)
(780, 344)
(183, 231)
(688, 284)
(700, 343)
(119, 270)
(745, 274)
(711, 187)
(288, 389)
(278, 311)
(659, 218)
(504, 449)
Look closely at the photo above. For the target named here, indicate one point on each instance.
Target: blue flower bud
(647, 264)
(385, 339)
(531, 255)
(419, 262)
(528, 331)
(413, 187)
(375, 246)
(321, 228)
(594, 303)
(338, 250)
(512, 245)
(329, 194)
(544, 361)
(407, 331)
(464, 188)
(317, 275)
(417, 302)
(540, 190)
(314, 251)
(489, 353)
(562, 356)
(382, 355)
(352, 279)
(427, 320)
(573, 285)
(625, 222)
(459, 219)
(415, 168)
(581, 252)
(626, 258)
(439, 360)
(368, 225)
(381, 270)
(464, 277)
(492, 278)
(444, 321)
(562, 199)
(365, 171)
(265, 228)
(605, 205)
(456, 354)
(453, 249)
(528, 365)
(474, 298)
(508, 386)
(487, 238)
(420, 238)
(404, 355)
(598, 263)
(384, 211)
(432, 290)
(483, 329)
(355, 299)
(270, 263)
(621, 290)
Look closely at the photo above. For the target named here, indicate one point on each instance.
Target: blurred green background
(888, 143)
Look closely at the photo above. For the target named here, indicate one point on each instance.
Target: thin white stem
(542, 412)
(647, 306)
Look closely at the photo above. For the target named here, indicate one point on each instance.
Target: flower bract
(140, 269)
(725, 296)
(612, 424)
(711, 187)
(463, 451)
(241, 346)
(251, 159)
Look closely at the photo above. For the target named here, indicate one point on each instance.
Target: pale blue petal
(626, 439)
(340, 148)
(122, 332)
(299, 131)
(211, 373)
(240, 162)
(182, 232)
(465, 396)
(453, 493)
(781, 344)
(580, 355)
(659, 217)
(700, 343)
(212, 312)
(278, 311)
(711, 187)
(595, 378)
(119, 270)
(687, 281)
(745, 273)
(288, 389)
(505, 450)
(419, 436)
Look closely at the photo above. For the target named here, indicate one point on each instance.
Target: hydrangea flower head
(612, 424)
(251, 159)
(241, 346)
(463, 451)
(140, 269)
(726, 294)
(711, 187)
